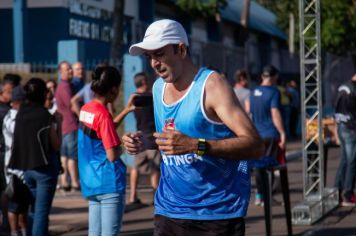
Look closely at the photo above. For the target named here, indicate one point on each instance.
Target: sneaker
(349, 202)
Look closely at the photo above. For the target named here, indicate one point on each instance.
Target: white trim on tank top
(202, 105)
(186, 94)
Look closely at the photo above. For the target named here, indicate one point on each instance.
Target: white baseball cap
(159, 34)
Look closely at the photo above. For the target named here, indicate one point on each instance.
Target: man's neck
(187, 77)
(142, 89)
(66, 79)
(266, 82)
(238, 86)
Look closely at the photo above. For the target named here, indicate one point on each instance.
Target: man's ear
(182, 50)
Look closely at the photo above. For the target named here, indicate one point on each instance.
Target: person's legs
(134, 176)
(45, 186)
(31, 184)
(73, 159)
(73, 172)
(13, 219)
(23, 223)
(140, 163)
(94, 217)
(112, 209)
(64, 176)
(350, 159)
(340, 173)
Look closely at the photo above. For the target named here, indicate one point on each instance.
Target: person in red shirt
(102, 173)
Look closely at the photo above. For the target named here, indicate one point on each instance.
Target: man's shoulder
(62, 86)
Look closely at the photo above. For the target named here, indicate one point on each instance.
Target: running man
(204, 136)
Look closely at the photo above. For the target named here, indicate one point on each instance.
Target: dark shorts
(165, 226)
(20, 206)
(271, 147)
(69, 147)
(147, 161)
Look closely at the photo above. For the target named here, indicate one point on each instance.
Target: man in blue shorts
(69, 155)
(204, 136)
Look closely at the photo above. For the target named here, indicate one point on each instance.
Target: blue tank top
(191, 186)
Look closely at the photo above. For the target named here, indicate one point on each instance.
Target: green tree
(338, 26)
(338, 23)
(202, 8)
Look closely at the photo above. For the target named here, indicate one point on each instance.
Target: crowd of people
(197, 136)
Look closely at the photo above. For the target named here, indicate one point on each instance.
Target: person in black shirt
(345, 116)
(141, 103)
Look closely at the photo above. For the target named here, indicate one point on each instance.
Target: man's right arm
(129, 108)
(75, 102)
(278, 123)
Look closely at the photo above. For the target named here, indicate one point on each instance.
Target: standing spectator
(102, 172)
(265, 112)
(6, 87)
(345, 115)
(292, 89)
(36, 155)
(148, 160)
(241, 89)
(14, 79)
(17, 205)
(205, 139)
(69, 154)
(52, 87)
(78, 79)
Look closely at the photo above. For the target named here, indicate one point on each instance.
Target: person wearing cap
(265, 113)
(18, 205)
(204, 136)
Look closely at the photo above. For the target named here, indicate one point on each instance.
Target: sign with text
(92, 14)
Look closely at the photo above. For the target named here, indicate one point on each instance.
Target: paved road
(69, 215)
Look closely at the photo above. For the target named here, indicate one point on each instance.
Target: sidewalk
(69, 214)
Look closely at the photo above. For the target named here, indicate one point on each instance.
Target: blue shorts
(69, 147)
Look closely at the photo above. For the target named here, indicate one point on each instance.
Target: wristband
(202, 147)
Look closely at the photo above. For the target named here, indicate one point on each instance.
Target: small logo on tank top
(169, 124)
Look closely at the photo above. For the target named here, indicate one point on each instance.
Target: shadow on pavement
(329, 232)
(60, 210)
(135, 206)
(143, 232)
